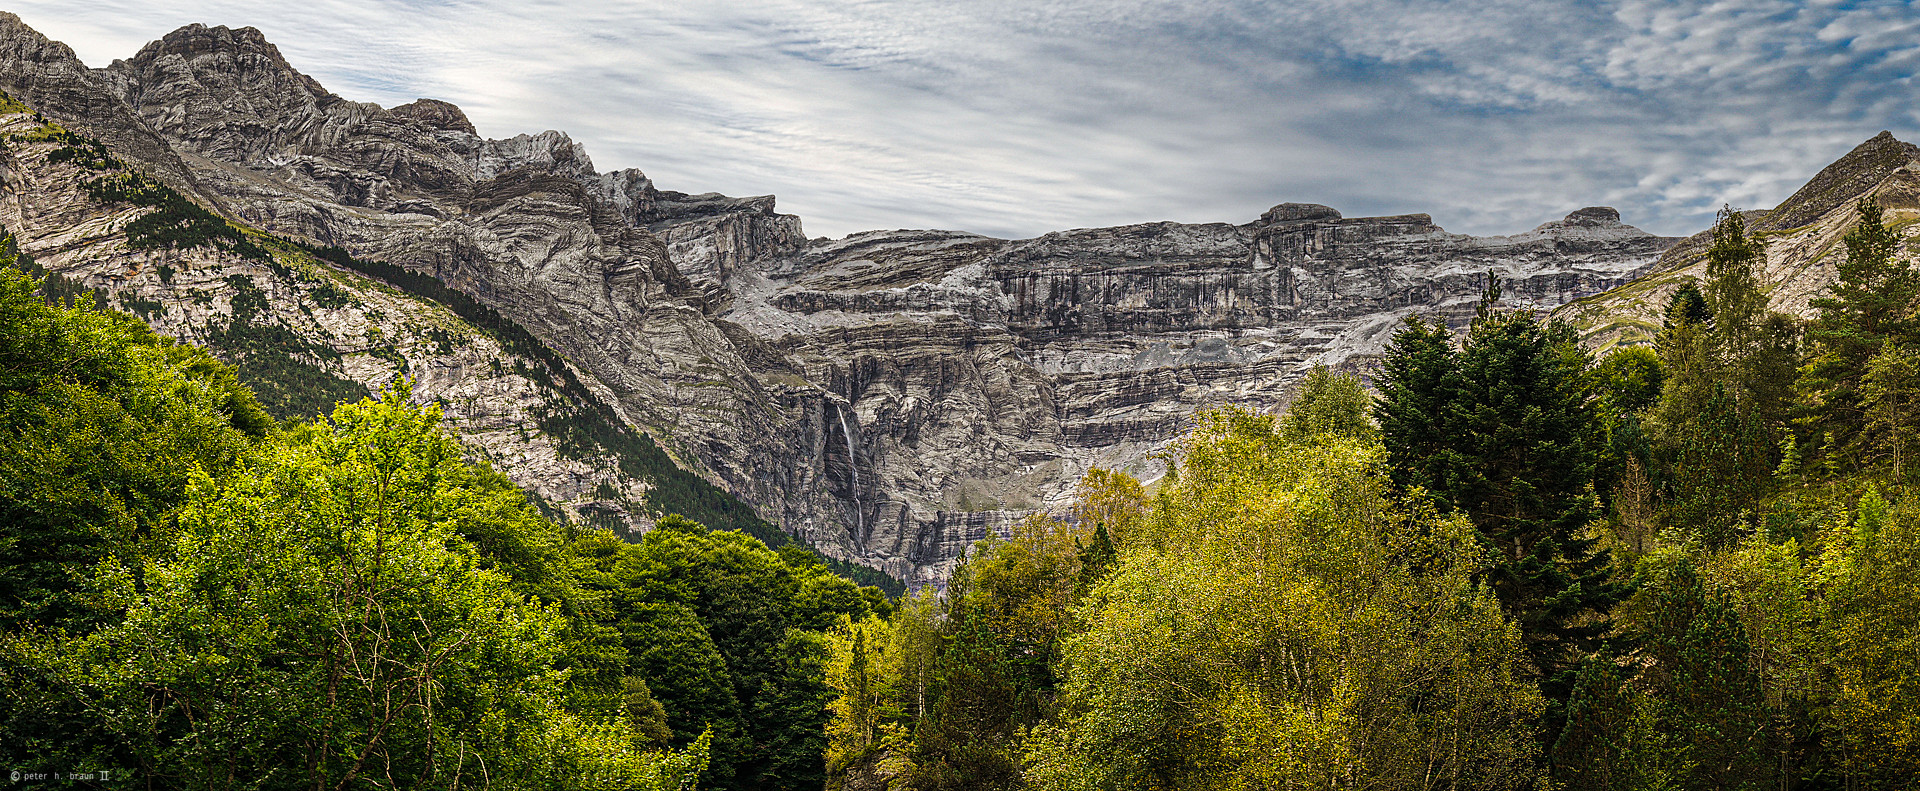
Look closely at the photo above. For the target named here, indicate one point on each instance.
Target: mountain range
(621, 351)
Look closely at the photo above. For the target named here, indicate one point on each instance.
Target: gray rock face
(350, 328)
(891, 396)
(983, 377)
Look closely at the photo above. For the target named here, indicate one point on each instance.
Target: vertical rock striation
(891, 396)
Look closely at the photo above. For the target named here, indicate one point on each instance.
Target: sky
(1012, 118)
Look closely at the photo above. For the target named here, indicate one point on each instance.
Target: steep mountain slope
(888, 397)
(1802, 237)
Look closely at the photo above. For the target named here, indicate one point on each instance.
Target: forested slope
(307, 326)
(195, 595)
(1690, 566)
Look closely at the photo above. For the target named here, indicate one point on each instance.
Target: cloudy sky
(1015, 117)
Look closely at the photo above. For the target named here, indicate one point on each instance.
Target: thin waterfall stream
(859, 518)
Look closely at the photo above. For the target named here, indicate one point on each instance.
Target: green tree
(687, 596)
(320, 620)
(1281, 623)
(1418, 383)
(1721, 471)
(1686, 353)
(1870, 302)
(1725, 413)
(1873, 570)
(1695, 715)
(1528, 439)
(1890, 399)
(1007, 610)
(1328, 403)
(104, 423)
(882, 669)
(1733, 290)
(1629, 380)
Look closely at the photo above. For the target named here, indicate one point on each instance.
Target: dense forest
(1695, 566)
(193, 595)
(1510, 565)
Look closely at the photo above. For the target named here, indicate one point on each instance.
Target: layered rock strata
(890, 396)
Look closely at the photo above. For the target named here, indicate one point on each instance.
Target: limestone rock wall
(891, 396)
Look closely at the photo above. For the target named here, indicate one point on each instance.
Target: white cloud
(1013, 118)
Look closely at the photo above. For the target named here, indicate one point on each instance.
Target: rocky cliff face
(890, 397)
(1802, 239)
(322, 322)
(980, 378)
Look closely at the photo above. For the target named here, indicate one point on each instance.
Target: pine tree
(1506, 431)
(1528, 446)
(1417, 380)
(1870, 302)
(1725, 407)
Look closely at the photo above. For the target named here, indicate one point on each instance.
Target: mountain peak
(1296, 212)
(1842, 182)
(436, 114)
(1593, 215)
(242, 52)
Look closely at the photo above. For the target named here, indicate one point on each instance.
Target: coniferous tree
(1506, 431)
(1417, 380)
(1528, 447)
(1724, 411)
(1890, 397)
(1758, 347)
(1686, 354)
(1870, 303)
(1693, 716)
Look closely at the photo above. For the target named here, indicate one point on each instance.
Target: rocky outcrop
(891, 396)
(983, 377)
(330, 323)
(1801, 237)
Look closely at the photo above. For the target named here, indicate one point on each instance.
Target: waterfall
(859, 518)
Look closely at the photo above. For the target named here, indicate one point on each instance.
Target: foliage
(1328, 404)
(723, 631)
(1870, 303)
(103, 421)
(1630, 380)
(1109, 499)
(1414, 411)
(353, 605)
(1693, 717)
(1505, 431)
(1873, 571)
(1371, 659)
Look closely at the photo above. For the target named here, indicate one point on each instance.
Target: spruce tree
(1528, 443)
